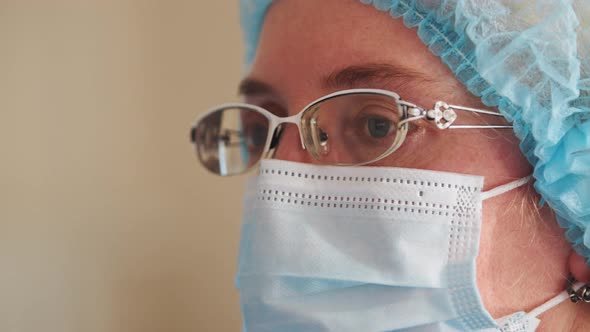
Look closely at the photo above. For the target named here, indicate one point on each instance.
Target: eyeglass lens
(350, 129)
(347, 129)
(231, 140)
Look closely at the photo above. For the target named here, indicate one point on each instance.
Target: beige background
(106, 222)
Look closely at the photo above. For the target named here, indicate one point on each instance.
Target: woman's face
(311, 48)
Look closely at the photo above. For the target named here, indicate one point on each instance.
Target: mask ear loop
(573, 289)
(576, 291)
(499, 190)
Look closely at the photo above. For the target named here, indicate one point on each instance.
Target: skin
(524, 258)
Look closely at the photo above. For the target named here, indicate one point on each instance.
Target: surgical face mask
(328, 248)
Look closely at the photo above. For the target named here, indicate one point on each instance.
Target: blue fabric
(531, 59)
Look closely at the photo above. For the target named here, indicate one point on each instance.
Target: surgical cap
(531, 60)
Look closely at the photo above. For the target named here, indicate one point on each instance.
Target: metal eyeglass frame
(442, 114)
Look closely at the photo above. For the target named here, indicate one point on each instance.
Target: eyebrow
(251, 86)
(373, 75)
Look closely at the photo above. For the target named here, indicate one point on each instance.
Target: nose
(289, 146)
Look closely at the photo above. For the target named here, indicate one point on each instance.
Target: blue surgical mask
(328, 248)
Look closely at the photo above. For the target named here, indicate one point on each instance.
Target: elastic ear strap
(553, 302)
(499, 190)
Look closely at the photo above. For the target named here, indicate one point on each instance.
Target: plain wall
(107, 223)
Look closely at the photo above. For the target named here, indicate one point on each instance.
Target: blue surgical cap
(531, 60)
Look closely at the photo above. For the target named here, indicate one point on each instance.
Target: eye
(256, 135)
(375, 122)
(378, 127)
(254, 129)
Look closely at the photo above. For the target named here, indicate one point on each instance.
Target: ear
(578, 267)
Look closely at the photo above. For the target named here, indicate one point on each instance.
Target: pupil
(323, 136)
(378, 127)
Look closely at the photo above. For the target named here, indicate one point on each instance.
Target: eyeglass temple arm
(474, 110)
(444, 115)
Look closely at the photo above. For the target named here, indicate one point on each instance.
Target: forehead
(303, 41)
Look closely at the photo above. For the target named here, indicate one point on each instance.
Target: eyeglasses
(349, 127)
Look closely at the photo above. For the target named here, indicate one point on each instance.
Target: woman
(330, 246)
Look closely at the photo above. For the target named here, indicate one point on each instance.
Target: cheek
(519, 246)
(477, 152)
(419, 150)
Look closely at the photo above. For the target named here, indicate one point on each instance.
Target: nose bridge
(293, 119)
(288, 148)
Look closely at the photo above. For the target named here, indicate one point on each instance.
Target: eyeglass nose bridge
(276, 121)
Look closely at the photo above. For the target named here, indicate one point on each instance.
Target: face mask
(328, 248)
